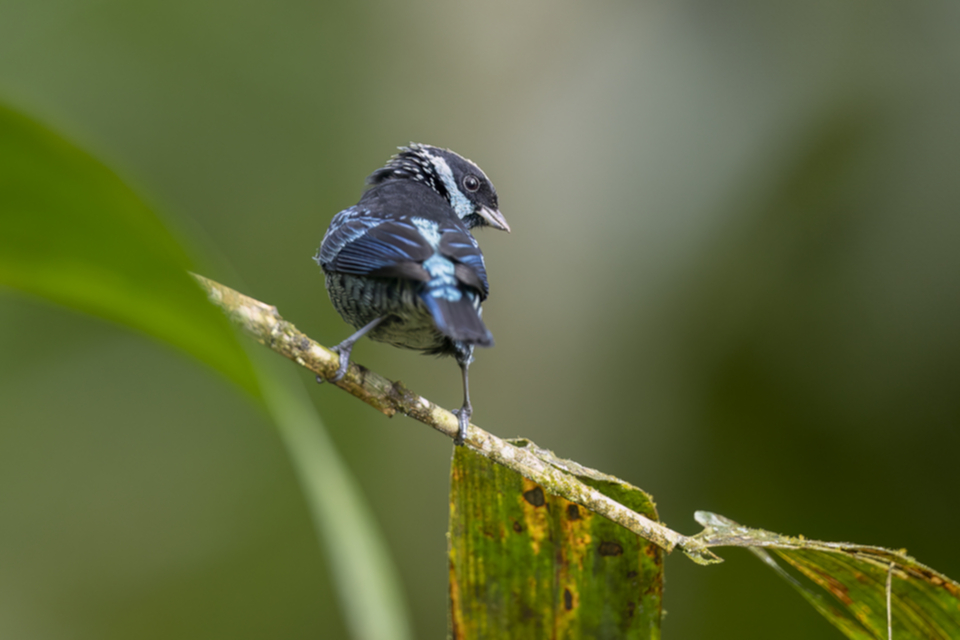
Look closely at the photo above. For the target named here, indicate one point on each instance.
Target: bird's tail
(457, 317)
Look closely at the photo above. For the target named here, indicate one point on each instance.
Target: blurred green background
(733, 280)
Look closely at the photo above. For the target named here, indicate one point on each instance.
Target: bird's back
(402, 253)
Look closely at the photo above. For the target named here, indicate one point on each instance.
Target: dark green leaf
(72, 232)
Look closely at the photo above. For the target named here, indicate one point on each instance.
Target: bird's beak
(495, 218)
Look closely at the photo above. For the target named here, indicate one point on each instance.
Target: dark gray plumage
(402, 266)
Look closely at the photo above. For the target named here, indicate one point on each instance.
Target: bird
(402, 265)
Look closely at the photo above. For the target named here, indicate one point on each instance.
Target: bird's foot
(343, 350)
(463, 420)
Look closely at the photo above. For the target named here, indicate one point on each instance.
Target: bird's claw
(463, 421)
(344, 363)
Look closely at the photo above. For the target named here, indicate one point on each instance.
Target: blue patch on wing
(460, 246)
(361, 245)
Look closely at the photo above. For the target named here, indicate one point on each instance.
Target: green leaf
(72, 232)
(869, 593)
(526, 564)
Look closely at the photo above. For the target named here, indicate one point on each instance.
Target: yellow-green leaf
(869, 593)
(525, 564)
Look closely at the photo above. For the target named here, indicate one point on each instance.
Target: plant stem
(264, 324)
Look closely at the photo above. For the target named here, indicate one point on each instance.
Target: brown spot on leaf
(573, 512)
(567, 599)
(610, 549)
(535, 497)
(517, 527)
(834, 586)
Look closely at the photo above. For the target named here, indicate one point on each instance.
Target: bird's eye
(471, 183)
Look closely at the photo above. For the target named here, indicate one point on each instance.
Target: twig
(264, 324)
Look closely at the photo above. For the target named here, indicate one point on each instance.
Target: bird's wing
(460, 246)
(361, 243)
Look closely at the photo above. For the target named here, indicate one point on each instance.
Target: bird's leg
(344, 348)
(463, 413)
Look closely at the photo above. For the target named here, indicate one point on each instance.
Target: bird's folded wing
(366, 245)
(461, 247)
(361, 244)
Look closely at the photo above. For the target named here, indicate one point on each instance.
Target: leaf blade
(526, 564)
(848, 582)
(72, 232)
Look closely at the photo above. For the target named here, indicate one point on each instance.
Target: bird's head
(464, 185)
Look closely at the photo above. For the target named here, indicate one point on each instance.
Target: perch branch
(264, 324)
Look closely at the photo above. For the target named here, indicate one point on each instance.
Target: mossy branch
(264, 324)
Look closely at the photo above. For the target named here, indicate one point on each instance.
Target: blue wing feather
(360, 243)
(460, 246)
